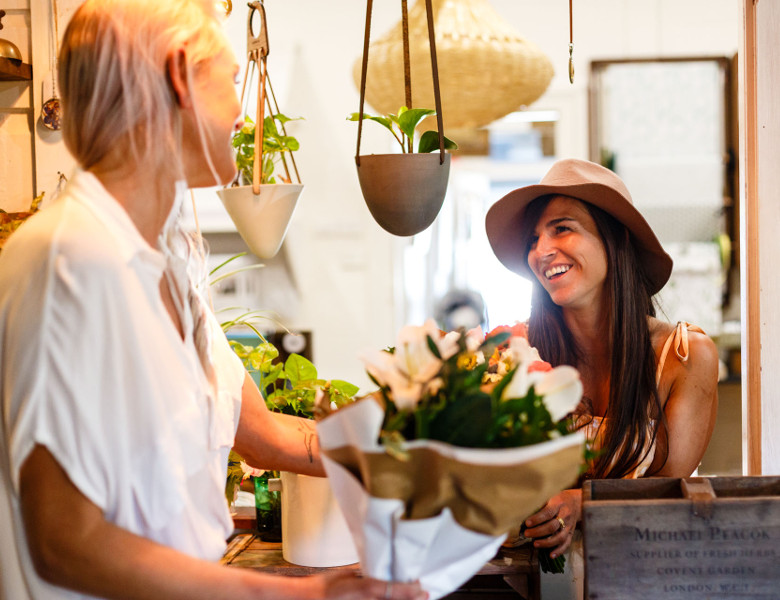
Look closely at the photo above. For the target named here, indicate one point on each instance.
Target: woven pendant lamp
(486, 68)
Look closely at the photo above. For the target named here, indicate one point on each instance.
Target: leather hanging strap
(407, 72)
(435, 74)
(364, 69)
(258, 49)
(407, 61)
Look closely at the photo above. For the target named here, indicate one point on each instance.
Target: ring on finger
(562, 522)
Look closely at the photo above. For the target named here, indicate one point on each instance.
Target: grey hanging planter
(404, 192)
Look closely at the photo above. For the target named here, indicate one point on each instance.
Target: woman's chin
(204, 178)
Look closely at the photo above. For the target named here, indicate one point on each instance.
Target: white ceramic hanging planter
(260, 211)
(314, 532)
(262, 219)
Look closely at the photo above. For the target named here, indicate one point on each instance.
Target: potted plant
(262, 212)
(405, 192)
(313, 530)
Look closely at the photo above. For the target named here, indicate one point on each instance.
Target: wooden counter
(512, 574)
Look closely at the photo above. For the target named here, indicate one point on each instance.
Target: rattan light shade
(486, 69)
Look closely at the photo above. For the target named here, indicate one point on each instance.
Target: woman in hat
(650, 388)
(120, 397)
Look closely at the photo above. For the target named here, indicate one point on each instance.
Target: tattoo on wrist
(308, 438)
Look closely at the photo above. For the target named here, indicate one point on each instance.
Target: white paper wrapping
(436, 550)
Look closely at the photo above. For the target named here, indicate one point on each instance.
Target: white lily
(411, 370)
(522, 352)
(561, 389)
(520, 383)
(387, 370)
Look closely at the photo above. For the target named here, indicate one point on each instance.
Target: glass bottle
(268, 507)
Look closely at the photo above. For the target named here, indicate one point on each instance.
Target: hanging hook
(571, 43)
(256, 45)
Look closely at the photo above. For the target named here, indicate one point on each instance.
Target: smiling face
(567, 254)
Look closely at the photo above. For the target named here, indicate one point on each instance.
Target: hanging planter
(262, 219)
(404, 192)
(263, 210)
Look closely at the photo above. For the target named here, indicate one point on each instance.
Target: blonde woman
(120, 396)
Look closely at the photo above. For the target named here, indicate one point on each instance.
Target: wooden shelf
(12, 70)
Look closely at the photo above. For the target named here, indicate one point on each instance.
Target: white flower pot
(262, 219)
(314, 532)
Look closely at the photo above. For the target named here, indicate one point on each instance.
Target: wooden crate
(666, 538)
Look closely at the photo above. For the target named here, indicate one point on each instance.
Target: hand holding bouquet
(465, 437)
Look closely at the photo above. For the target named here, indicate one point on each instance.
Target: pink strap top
(678, 340)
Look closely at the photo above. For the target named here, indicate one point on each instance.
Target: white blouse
(93, 368)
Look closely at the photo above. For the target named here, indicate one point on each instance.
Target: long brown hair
(634, 412)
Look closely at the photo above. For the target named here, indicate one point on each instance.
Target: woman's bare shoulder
(662, 331)
(689, 358)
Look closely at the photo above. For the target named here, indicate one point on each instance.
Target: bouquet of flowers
(466, 436)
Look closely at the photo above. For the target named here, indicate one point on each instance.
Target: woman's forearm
(275, 441)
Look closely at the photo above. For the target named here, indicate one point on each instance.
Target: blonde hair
(114, 81)
(116, 89)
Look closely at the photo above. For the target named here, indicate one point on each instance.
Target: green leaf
(384, 121)
(269, 128)
(283, 119)
(290, 143)
(429, 142)
(344, 388)
(299, 369)
(433, 347)
(409, 119)
(226, 262)
(464, 421)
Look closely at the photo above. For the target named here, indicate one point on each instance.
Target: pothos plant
(275, 144)
(288, 388)
(403, 125)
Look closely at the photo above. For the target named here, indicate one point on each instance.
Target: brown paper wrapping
(489, 499)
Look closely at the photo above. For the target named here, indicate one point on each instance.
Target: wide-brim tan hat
(584, 181)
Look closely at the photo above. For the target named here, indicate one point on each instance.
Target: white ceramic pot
(262, 219)
(314, 532)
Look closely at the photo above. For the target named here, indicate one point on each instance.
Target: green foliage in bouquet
(463, 411)
(402, 127)
(472, 393)
(275, 144)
